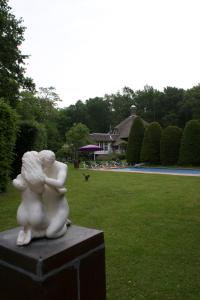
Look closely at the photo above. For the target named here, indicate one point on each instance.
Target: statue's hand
(62, 190)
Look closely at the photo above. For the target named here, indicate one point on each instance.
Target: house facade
(105, 141)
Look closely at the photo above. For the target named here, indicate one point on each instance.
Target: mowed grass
(151, 225)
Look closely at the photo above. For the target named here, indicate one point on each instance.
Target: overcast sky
(87, 48)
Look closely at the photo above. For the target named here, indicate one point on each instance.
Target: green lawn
(151, 225)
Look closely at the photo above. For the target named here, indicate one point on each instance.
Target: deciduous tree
(77, 136)
(12, 61)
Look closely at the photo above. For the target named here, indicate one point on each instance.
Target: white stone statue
(43, 211)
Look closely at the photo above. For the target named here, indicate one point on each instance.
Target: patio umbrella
(90, 148)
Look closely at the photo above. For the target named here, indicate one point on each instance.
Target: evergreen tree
(170, 145)
(190, 144)
(150, 151)
(135, 141)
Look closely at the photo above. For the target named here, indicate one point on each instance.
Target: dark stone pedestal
(69, 268)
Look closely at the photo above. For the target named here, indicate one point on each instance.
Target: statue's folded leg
(56, 228)
(57, 234)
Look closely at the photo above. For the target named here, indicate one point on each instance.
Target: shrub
(8, 130)
(31, 136)
(135, 141)
(150, 151)
(190, 144)
(170, 145)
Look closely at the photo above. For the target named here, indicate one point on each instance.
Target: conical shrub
(150, 151)
(135, 141)
(170, 145)
(190, 144)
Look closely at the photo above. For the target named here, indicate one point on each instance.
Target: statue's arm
(19, 183)
(59, 182)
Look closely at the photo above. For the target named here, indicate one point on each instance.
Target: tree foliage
(190, 144)
(171, 107)
(191, 104)
(77, 136)
(150, 151)
(147, 103)
(99, 112)
(163, 107)
(170, 145)
(120, 104)
(38, 107)
(135, 141)
(31, 136)
(8, 130)
(12, 61)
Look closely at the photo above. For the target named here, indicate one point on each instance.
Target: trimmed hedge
(31, 136)
(8, 130)
(190, 144)
(170, 145)
(135, 141)
(150, 151)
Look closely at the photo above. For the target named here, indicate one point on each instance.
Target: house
(115, 141)
(105, 141)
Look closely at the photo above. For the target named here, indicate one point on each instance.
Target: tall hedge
(150, 151)
(135, 141)
(170, 145)
(8, 130)
(190, 144)
(31, 136)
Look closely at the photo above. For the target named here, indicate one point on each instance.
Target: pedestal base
(71, 267)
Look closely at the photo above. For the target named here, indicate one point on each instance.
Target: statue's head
(47, 158)
(32, 169)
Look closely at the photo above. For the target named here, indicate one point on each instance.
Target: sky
(89, 48)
